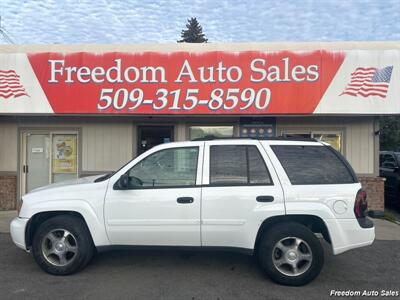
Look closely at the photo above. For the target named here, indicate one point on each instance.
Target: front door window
(176, 167)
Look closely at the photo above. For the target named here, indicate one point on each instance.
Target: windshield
(108, 175)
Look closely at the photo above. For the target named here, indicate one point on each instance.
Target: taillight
(361, 205)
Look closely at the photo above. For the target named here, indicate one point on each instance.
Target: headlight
(19, 206)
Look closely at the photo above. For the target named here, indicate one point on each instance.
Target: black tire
(266, 250)
(82, 241)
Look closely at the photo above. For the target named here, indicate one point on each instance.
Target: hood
(75, 181)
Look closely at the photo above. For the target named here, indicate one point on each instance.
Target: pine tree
(193, 33)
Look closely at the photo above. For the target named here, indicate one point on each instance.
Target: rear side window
(387, 160)
(237, 165)
(313, 165)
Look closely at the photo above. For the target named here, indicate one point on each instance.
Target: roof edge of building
(176, 47)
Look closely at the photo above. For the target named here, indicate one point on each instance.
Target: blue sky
(130, 21)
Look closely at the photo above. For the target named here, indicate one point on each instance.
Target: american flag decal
(10, 86)
(367, 82)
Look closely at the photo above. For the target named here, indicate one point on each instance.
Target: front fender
(94, 222)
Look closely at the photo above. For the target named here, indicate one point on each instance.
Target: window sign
(64, 154)
(37, 150)
(333, 139)
(257, 131)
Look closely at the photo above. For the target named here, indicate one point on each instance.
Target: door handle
(265, 198)
(185, 200)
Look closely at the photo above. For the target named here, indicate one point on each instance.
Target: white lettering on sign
(54, 71)
(114, 74)
(206, 74)
(285, 71)
(282, 73)
(186, 70)
(225, 97)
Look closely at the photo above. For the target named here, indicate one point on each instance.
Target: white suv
(264, 197)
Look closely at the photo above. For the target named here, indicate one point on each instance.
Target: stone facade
(8, 192)
(375, 188)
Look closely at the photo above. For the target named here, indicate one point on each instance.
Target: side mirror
(122, 183)
(127, 182)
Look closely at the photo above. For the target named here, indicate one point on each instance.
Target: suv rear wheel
(62, 245)
(290, 254)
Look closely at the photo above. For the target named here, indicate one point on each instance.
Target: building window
(332, 138)
(196, 132)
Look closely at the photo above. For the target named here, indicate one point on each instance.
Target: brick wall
(374, 186)
(8, 192)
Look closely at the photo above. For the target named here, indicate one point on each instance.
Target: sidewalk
(384, 230)
(5, 219)
(393, 213)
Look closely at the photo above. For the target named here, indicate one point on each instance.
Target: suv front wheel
(62, 245)
(290, 254)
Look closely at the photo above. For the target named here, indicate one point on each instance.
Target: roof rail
(275, 138)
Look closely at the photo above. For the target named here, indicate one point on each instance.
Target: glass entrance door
(48, 158)
(150, 136)
(38, 161)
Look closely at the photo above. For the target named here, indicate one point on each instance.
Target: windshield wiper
(104, 177)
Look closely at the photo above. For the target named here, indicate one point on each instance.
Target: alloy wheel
(292, 256)
(59, 247)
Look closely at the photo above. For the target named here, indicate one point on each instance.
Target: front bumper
(347, 234)
(17, 230)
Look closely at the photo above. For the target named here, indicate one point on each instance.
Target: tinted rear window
(312, 165)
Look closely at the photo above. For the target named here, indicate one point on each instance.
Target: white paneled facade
(106, 144)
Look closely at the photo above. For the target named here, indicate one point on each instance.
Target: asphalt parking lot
(193, 275)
